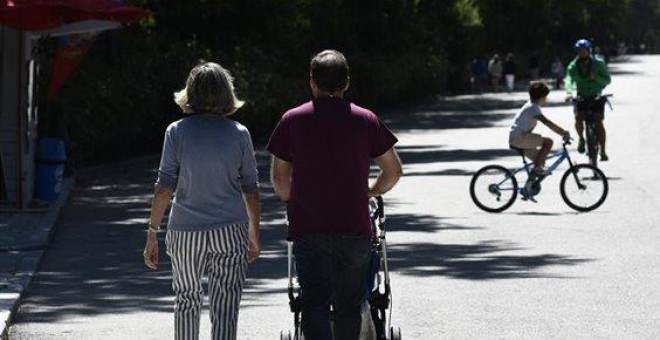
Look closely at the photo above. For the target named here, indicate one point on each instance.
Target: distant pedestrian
(621, 48)
(479, 74)
(534, 66)
(213, 228)
(510, 72)
(642, 48)
(557, 70)
(321, 155)
(495, 71)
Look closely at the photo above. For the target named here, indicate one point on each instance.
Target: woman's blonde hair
(209, 89)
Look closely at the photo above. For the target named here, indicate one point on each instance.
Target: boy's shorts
(530, 143)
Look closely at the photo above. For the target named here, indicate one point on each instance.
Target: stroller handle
(379, 212)
(381, 206)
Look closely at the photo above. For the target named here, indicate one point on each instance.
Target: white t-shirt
(525, 121)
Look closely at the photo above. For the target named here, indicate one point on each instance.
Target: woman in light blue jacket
(208, 166)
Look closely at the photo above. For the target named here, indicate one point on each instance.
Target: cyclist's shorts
(530, 143)
(597, 108)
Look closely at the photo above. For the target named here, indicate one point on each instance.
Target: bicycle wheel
(592, 144)
(493, 188)
(583, 187)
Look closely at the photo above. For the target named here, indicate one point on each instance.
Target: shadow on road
(447, 172)
(413, 156)
(481, 261)
(422, 223)
(94, 265)
(467, 103)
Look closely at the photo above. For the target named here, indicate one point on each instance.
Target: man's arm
(603, 78)
(390, 172)
(568, 80)
(280, 176)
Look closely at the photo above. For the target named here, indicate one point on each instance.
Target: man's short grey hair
(209, 89)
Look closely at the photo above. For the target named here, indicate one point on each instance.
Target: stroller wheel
(286, 335)
(395, 333)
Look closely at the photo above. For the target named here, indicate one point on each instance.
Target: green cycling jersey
(589, 75)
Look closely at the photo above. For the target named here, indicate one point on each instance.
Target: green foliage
(119, 100)
(468, 13)
(642, 26)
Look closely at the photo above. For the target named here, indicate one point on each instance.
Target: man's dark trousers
(332, 270)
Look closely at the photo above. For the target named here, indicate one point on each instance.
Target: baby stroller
(376, 323)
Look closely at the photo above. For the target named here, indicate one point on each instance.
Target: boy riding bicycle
(534, 146)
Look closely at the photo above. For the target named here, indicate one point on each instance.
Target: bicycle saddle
(519, 150)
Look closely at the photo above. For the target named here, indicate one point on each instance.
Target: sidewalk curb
(12, 292)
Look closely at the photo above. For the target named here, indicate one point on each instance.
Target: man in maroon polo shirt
(321, 156)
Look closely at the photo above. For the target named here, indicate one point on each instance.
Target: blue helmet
(583, 43)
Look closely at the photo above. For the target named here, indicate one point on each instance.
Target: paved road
(534, 271)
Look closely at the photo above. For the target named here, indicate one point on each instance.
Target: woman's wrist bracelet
(154, 228)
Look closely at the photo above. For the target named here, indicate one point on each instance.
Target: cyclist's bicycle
(583, 187)
(591, 108)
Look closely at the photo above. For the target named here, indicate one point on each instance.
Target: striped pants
(222, 254)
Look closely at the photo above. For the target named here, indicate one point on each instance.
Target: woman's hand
(254, 248)
(253, 206)
(162, 198)
(150, 252)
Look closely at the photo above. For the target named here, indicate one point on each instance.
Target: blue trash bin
(50, 159)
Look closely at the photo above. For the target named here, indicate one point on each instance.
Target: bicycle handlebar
(578, 98)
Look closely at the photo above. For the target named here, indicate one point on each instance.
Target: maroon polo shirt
(330, 143)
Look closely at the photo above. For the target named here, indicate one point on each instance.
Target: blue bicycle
(583, 187)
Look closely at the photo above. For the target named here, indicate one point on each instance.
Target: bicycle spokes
(493, 188)
(584, 187)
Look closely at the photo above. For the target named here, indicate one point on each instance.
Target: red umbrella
(37, 15)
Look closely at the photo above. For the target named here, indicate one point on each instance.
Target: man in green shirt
(590, 76)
